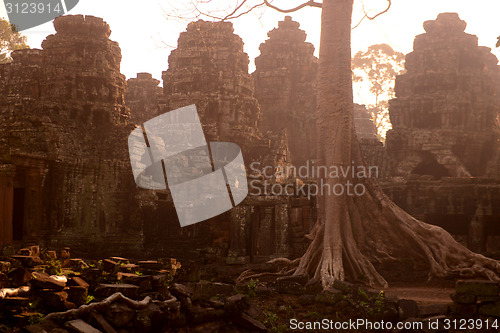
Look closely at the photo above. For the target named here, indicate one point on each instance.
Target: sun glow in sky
(146, 36)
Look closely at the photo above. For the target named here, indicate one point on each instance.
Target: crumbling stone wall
(210, 69)
(444, 142)
(143, 97)
(444, 113)
(285, 86)
(63, 140)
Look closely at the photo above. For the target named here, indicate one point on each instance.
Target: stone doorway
(262, 234)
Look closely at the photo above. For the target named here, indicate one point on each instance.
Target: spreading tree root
(371, 230)
(281, 267)
(99, 306)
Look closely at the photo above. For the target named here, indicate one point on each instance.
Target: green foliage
(378, 66)
(35, 319)
(10, 40)
(54, 267)
(372, 307)
(90, 298)
(250, 289)
(272, 322)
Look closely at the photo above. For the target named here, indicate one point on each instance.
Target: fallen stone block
(158, 280)
(407, 308)
(120, 260)
(180, 290)
(27, 261)
(45, 281)
(80, 326)
(100, 322)
(235, 305)
(77, 295)
(106, 290)
(51, 300)
(78, 281)
(432, 309)
(150, 265)
(477, 287)
(77, 265)
(253, 311)
(144, 282)
(31, 251)
(37, 328)
(251, 324)
(110, 266)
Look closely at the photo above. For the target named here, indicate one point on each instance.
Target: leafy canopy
(10, 40)
(377, 68)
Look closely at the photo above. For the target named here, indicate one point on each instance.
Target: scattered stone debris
(117, 294)
(113, 294)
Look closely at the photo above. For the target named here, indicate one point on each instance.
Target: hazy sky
(146, 36)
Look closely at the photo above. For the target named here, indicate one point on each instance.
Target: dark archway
(431, 167)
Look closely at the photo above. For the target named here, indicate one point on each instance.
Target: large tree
(10, 40)
(355, 236)
(379, 66)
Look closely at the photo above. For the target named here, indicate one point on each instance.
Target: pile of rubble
(46, 292)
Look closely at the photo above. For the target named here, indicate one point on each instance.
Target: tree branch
(243, 13)
(389, 4)
(310, 3)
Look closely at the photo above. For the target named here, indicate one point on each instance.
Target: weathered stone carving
(63, 139)
(285, 85)
(143, 97)
(444, 113)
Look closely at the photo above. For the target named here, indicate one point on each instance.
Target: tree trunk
(355, 233)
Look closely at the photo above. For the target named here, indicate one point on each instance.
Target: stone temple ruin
(445, 137)
(66, 112)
